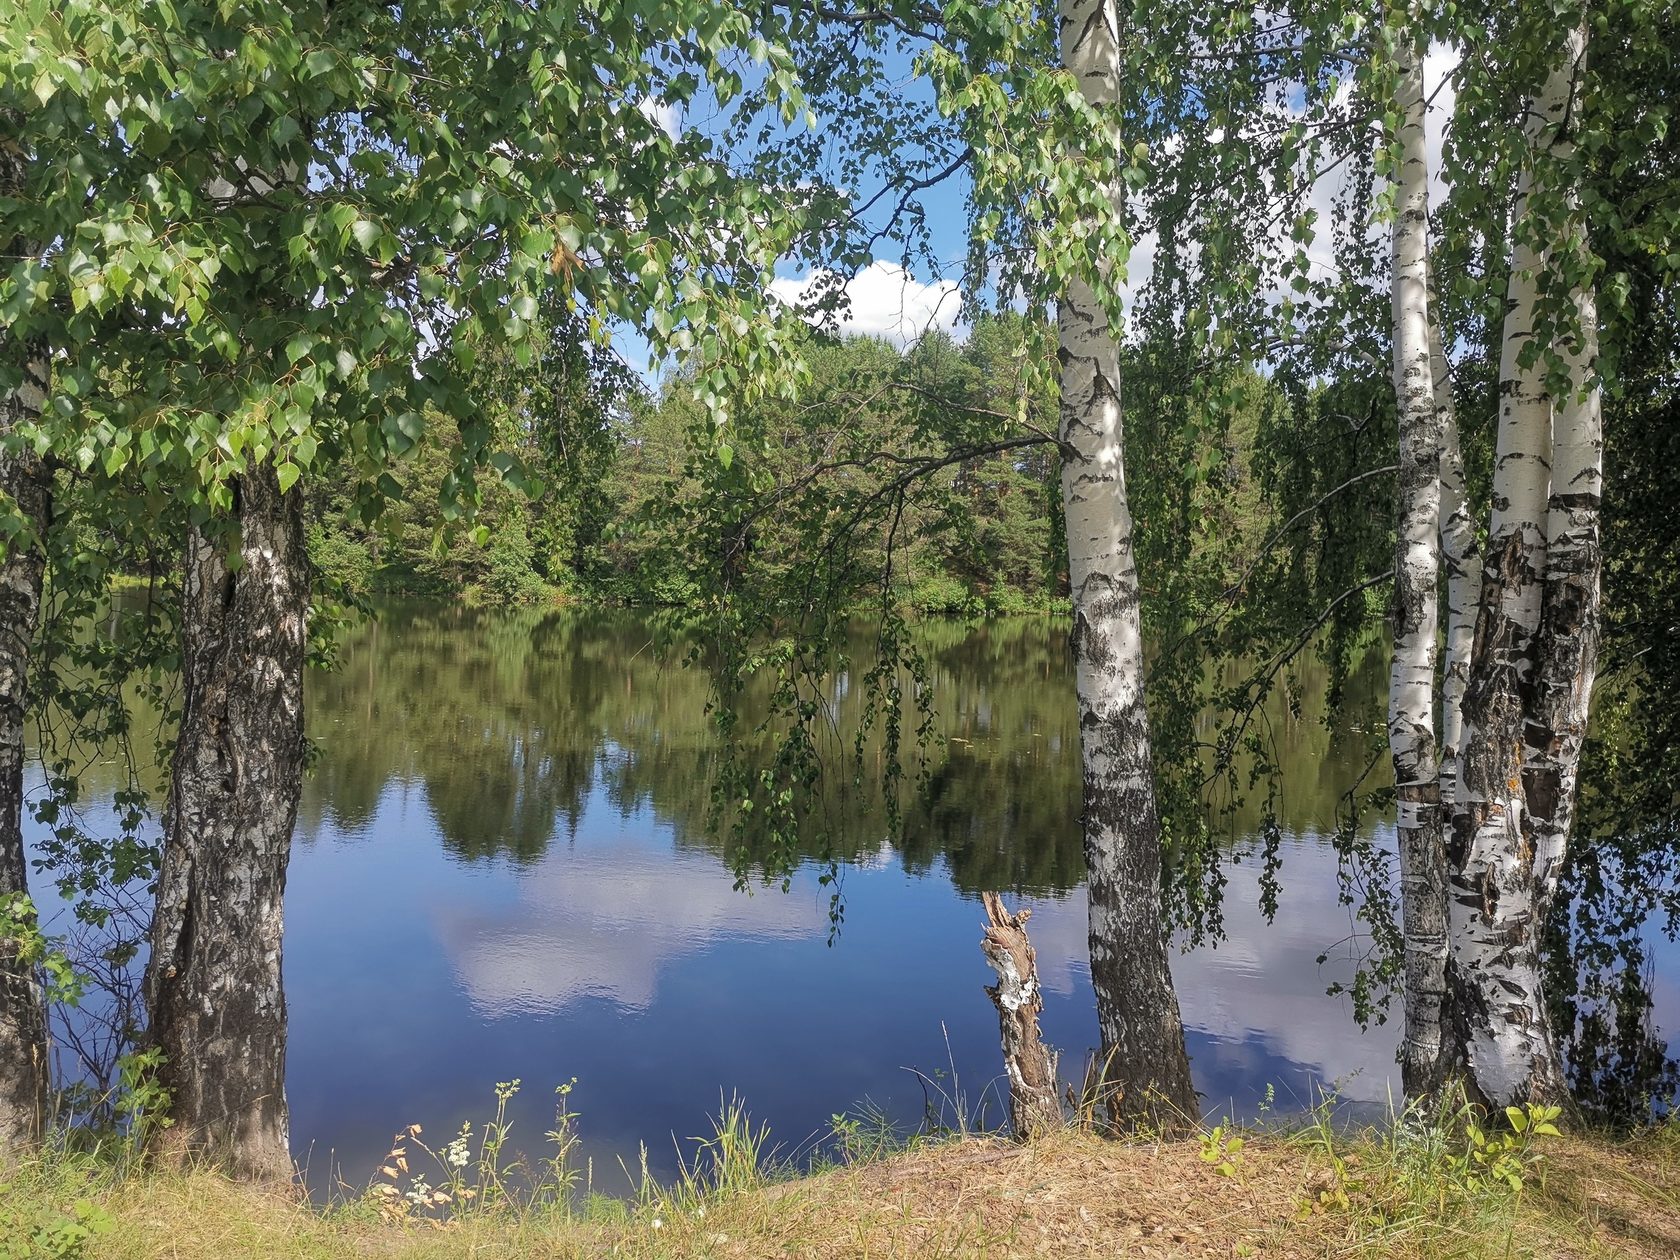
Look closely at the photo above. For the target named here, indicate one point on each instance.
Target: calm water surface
(502, 871)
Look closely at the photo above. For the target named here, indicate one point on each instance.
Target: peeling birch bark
(1414, 620)
(1496, 992)
(23, 480)
(1144, 1067)
(213, 984)
(1034, 1107)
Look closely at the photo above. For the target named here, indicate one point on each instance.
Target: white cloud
(667, 116)
(1263, 985)
(604, 922)
(884, 300)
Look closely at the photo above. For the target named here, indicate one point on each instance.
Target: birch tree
(1417, 565)
(1620, 869)
(1462, 558)
(264, 331)
(1144, 1069)
(1518, 669)
(26, 488)
(1512, 706)
(1501, 868)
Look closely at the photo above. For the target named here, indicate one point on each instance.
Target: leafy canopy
(273, 231)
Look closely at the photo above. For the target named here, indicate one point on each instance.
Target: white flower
(658, 1223)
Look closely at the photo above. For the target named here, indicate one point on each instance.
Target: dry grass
(1070, 1195)
(1596, 1199)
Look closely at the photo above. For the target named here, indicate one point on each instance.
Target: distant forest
(601, 450)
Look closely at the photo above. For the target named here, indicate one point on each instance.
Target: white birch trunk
(1463, 561)
(1144, 1066)
(213, 983)
(1569, 620)
(1415, 615)
(1497, 999)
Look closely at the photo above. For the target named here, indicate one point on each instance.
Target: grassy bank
(1289, 1195)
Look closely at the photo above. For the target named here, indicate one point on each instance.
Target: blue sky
(887, 300)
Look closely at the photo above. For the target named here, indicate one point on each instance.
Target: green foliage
(883, 491)
(1503, 1158)
(559, 430)
(941, 595)
(264, 259)
(1427, 1163)
(142, 1103)
(21, 933)
(511, 576)
(30, 1230)
(1223, 1149)
(341, 562)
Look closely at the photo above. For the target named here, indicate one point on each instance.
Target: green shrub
(511, 575)
(940, 595)
(30, 1230)
(342, 561)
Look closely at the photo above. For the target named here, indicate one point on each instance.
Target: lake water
(502, 870)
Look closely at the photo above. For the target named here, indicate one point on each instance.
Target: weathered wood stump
(1018, 996)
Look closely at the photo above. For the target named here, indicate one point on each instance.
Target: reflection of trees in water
(478, 711)
(1619, 1062)
(509, 721)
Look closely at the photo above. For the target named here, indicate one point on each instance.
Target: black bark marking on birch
(1570, 627)
(1498, 703)
(1019, 997)
(1543, 789)
(213, 986)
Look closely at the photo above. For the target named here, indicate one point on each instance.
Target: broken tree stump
(1018, 996)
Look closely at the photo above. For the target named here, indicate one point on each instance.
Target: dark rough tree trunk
(1030, 1064)
(213, 985)
(23, 480)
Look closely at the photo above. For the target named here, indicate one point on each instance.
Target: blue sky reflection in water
(417, 980)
